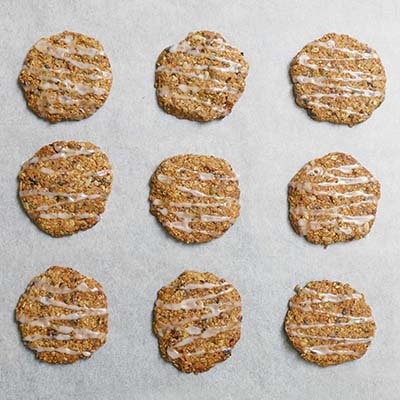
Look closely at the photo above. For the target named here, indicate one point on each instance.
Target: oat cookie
(63, 316)
(64, 187)
(66, 77)
(197, 320)
(195, 197)
(333, 199)
(338, 79)
(201, 77)
(329, 323)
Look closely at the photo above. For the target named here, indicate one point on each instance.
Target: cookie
(333, 199)
(197, 320)
(338, 79)
(201, 77)
(66, 77)
(329, 323)
(196, 198)
(63, 316)
(64, 187)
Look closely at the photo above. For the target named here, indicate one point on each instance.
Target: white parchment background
(266, 139)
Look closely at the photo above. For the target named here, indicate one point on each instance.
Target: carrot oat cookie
(66, 77)
(196, 198)
(329, 323)
(333, 199)
(201, 77)
(197, 320)
(338, 79)
(63, 316)
(64, 187)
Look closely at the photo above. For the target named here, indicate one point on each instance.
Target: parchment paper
(267, 138)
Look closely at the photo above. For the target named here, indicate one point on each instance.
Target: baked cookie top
(333, 199)
(63, 316)
(329, 323)
(197, 320)
(66, 77)
(338, 79)
(201, 77)
(64, 187)
(195, 197)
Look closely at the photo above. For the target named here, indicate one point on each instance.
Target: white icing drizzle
(185, 219)
(23, 319)
(69, 333)
(174, 354)
(331, 45)
(166, 93)
(308, 308)
(206, 176)
(62, 215)
(47, 91)
(191, 303)
(70, 198)
(47, 171)
(43, 284)
(216, 310)
(342, 340)
(61, 53)
(338, 340)
(63, 152)
(357, 320)
(64, 350)
(329, 297)
(204, 285)
(357, 76)
(334, 214)
(323, 350)
(215, 218)
(230, 66)
(227, 203)
(317, 63)
(196, 332)
(47, 301)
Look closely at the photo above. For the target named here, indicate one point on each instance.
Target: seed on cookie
(338, 79)
(66, 77)
(201, 77)
(64, 187)
(63, 316)
(197, 320)
(333, 199)
(329, 323)
(195, 197)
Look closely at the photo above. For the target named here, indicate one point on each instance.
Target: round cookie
(338, 79)
(333, 199)
(197, 320)
(64, 187)
(66, 77)
(63, 316)
(329, 323)
(201, 77)
(196, 198)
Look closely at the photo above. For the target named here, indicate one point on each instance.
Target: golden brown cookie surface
(63, 316)
(338, 79)
(197, 320)
(329, 323)
(195, 197)
(333, 199)
(201, 77)
(64, 187)
(66, 77)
